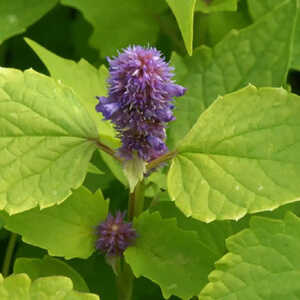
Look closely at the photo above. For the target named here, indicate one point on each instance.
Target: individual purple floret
(139, 102)
(115, 235)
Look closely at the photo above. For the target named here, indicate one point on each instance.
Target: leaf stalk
(9, 254)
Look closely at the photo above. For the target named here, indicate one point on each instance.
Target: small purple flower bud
(139, 102)
(115, 235)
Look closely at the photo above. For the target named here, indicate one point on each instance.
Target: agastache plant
(139, 104)
(140, 101)
(106, 195)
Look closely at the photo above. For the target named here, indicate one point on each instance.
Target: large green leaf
(83, 78)
(259, 54)
(242, 156)
(184, 13)
(213, 234)
(20, 287)
(209, 6)
(46, 141)
(121, 23)
(49, 266)
(88, 82)
(65, 230)
(16, 15)
(263, 263)
(171, 257)
(259, 8)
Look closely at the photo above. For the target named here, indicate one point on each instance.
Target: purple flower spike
(139, 102)
(115, 235)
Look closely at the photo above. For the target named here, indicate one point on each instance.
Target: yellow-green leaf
(242, 156)
(46, 141)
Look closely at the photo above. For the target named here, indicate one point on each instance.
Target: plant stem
(9, 254)
(136, 201)
(126, 278)
(125, 283)
(107, 149)
(131, 206)
(156, 162)
(151, 165)
(139, 198)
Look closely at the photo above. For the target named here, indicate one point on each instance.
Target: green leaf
(83, 78)
(258, 54)
(104, 181)
(174, 259)
(184, 14)
(145, 289)
(98, 275)
(209, 6)
(94, 169)
(16, 15)
(46, 141)
(72, 225)
(121, 24)
(258, 8)
(88, 82)
(115, 167)
(212, 235)
(242, 156)
(212, 28)
(156, 183)
(263, 263)
(134, 170)
(20, 287)
(49, 266)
